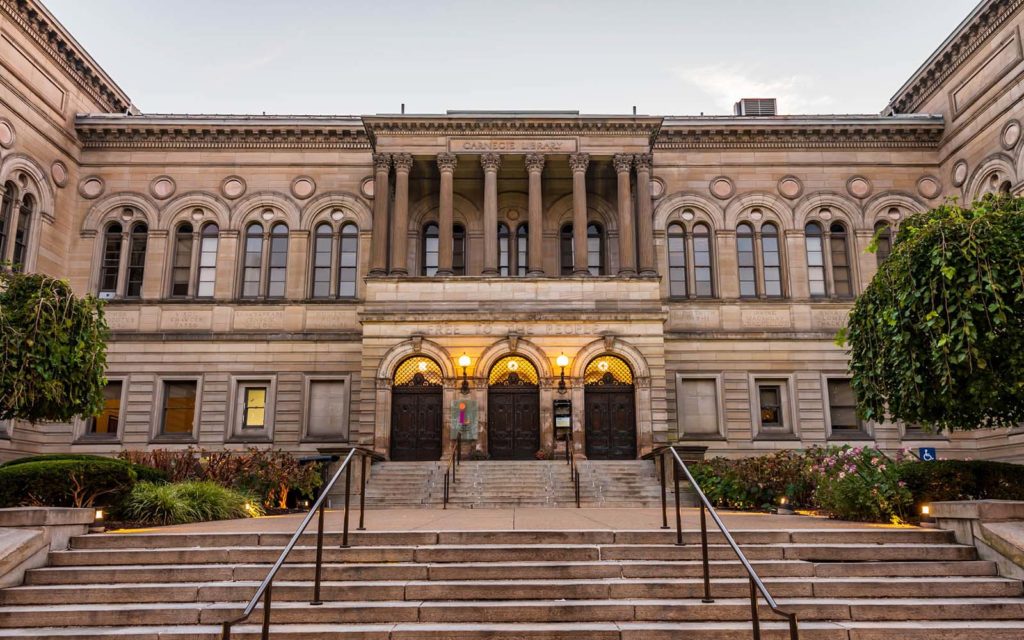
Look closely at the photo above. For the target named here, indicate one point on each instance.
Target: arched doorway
(513, 409)
(610, 409)
(416, 404)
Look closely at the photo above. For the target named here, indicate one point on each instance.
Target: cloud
(726, 85)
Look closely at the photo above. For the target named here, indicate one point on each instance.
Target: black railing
(451, 471)
(265, 589)
(756, 585)
(574, 469)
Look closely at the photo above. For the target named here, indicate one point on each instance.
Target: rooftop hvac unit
(756, 107)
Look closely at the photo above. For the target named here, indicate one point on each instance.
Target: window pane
(458, 250)
(322, 242)
(503, 250)
(840, 262)
(207, 261)
(522, 250)
(884, 239)
(136, 261)
(254, 408)
(253, 261)
(746, 262)
(327, 410)
(278, 261)
(770, 397)
(431, 245)
(111, 259)
(698, 407)
(815, 260)
(182, 261)
(22, 231)
(595, 255)
(567, 251)
(702, 261)
(6, 211)
(106, 422)
(677, 260)
(842, 405)
(770, 258)
(179, 407)
(347, 261)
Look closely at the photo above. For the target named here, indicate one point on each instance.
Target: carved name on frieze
(330, 319)
(483, 329)
(766, 319)
(122, 320)
(186, 320)
(259, 319)
(696, 318)
(512, 145)
(829, 318)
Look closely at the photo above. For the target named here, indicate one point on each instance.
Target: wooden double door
(416, 422)
(610, 422)
(513, 422)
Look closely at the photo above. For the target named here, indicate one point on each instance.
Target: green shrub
(143, 472)
(861, 484)
(759, 482)
(65, 483)
(184, 502)
(962, 480)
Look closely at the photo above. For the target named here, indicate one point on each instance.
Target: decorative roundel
(91, 187)
(657, 188)
(929, 187)
(337, 215)
(859, 187)
(512, 214)
(790, 187)
(162, 187)
(233, 187)
(959, 173)
(303, 187)
(366, 187)
(7, 133)
(722, 188)
(825, 213)
(688, 215)
(756, 215)
(59, 173)
(267, 214)
(1010, 135)
(197, 214)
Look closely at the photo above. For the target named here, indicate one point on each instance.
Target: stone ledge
(45, 517)
(988, 510)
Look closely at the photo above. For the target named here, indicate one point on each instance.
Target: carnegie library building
(395, 280)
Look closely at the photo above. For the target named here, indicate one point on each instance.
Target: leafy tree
(52, 350)
(937, 338)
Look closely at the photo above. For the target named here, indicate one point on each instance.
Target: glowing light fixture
(562, 361)
(602, 366)
(422, 366)
(464, 362)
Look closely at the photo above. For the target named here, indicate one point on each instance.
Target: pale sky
(668, 57)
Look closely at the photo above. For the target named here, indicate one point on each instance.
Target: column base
(581, 272)
(627, 272)
(489, 272)
(399, 272)
(648, 272)
(377, 272)
(445, 272)
(535, 272)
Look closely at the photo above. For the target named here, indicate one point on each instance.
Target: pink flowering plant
(862, 484)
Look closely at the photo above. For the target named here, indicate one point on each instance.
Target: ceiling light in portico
(513, 365)
(422, 366)
(602, 366)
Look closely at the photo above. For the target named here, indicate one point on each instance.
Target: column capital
(579, 162)
(402, 161)
(622, 162)
(642, 161)
(447, 162)
(382, 161)
(534, 162)
(490, 162)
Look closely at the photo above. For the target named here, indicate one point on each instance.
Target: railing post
(753, 610)
(704, 550)
(319, 557)
(664, 490)
(265, 635)
(445, 493)
(362, 494)
(577, 490)
(225, 632)
(794, 632)
(348, 497)
(679, 515)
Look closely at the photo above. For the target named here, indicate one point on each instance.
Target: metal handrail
(756, 585)
(574, 470)
(454, 462)
(264, 591)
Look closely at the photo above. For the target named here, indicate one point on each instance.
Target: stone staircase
(534, 483)
(845, 584)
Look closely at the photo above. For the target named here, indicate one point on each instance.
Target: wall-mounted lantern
(464, 362)
(562, 361)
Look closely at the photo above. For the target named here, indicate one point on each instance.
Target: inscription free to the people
(511, 145)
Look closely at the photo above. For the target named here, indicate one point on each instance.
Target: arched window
(677, 261)
(181, 267)
(110, 263)
(522, 249)
(503, 249)
(21, 232)
(458, 250)
(883, 240)
(815, 259)
(566, 251)
(746, 260)
(252, 265)
(771, 260)
(348, 260)
(206, 273)
(431, 246)
(136, 259)
(703, 275)
(595, 249)
(277, 272)
(322, 252)
(6, 215)
(840, 254)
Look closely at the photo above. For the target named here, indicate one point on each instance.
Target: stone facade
(689, 255)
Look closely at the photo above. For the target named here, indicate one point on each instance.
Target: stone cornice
(952, 53)
(802, 132)
(103, 131)
(54, 39)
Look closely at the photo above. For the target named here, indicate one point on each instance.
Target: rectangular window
(207, 267)
(771, 408)
(842, 409)
(327, 414)
(136, 264)
(254, 407)
(105, 424)
(702, 265)
(179, 410)
(182, 262)
(772, 266)
(769, 398)
(815, 266)
(698, 408)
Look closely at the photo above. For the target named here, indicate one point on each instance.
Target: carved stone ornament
(447, 162)
(402, 161)
(609, 342)
(513, 342)
(417, 344)
(534, 162)
(490, 161)
(382, 161)
(579, 162)
(622, 162)
(642, 162)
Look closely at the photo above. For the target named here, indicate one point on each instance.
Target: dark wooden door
(513, 423)
(416, 423)
(610, 423)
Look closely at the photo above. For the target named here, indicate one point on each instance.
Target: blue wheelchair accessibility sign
(927, 454)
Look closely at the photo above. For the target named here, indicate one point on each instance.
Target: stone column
(623, 164)
(400, 222)
(579, 162)
(491, 162)
(645, 215)
(535, 167)
(379, 245)
(446, 162)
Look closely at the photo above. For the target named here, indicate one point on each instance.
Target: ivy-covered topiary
(52, 350)
(937, 338)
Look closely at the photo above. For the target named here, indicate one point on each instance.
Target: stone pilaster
(623, 164)
(400, 222)
(490, 162)
(446, 163)
(379, 243)
(535, 169)
(644, 215)
(579, 162)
